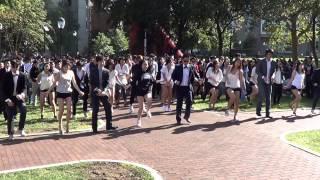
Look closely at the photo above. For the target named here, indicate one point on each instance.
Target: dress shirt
(268, 70)
(185, 77)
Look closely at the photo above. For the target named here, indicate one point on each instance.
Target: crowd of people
(110, 81)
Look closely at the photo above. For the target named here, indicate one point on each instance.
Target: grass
(307, 139)
(245, 106)
(34, 124)
(95, 170)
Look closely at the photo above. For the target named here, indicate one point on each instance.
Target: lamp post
(45, 29)
(25, 43)
(145, 43)
(61, 24)
(1, 27)
(75, 34)
(240, 42)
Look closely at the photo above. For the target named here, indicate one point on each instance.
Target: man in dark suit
(265, 69)
(99, 79)
(183, 76)
(316, 91)
(14, 95)
(2, 103)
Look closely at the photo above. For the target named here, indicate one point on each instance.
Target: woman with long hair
(63, 82)
(167, 84)
(297, 84)
(234, 84)
(144, 90)
(46, 79)
(214, 76)
(253, 82)
(113, 78)
(277, 78)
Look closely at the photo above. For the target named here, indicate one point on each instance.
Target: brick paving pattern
(210, 148)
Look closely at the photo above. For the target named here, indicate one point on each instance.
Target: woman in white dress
(45, 79)
(214, 76)
(167, 84)
(113, 78)
(297, 85)
(234, 84)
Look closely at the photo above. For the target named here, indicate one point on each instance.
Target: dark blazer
(177, 75)
(9, 86)
(316, 77)
(94, 77)
(2, 74)
(261, 69)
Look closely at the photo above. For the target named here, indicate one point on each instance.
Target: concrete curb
(56, 133)
(283, 138)
(153, 172)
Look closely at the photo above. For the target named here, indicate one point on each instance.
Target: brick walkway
(210, 148)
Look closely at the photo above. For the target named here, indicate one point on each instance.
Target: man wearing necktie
(14, 95)
(99, 79)
(183, 76)
(265, 69)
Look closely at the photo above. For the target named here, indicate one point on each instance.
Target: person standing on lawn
(45, 79)
(14, 95)
(214, 76)
(265, 69)
(63, 82)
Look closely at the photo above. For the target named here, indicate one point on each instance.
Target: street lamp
(61, 24)
(1, 27)
(45, 29)
(240, 42)
(75, 34)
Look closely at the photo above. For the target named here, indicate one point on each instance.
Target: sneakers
(165, 108)
(22, 133)
(139, 124)
(131, 110)
(149, 114)
(227, 112)
(11, 137)
(169, 109)
(313, 112)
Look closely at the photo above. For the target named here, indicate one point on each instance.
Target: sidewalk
(210, 148)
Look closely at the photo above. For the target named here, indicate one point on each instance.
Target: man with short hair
(265, 69)
(99, 79)
(183, 77)
(14, 95)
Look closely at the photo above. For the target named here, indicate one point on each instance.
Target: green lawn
(307, 139)
(96, 170)
(35, 125)
(245, 106)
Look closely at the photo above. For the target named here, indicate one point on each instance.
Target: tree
(23, 21)
(223, 13)
(102, 44)
(294, 13)
(119, 40)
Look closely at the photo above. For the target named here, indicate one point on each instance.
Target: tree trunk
(295, 39)
(180, 34)
(220, 37)
(313, 41)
